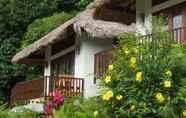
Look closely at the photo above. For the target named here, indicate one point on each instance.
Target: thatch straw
(83, 22)
(100, 29)
(58, 34)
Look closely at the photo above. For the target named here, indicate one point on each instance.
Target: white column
(143, 16)
(47, 69)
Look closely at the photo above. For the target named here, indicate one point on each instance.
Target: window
(177, 27)
(64, 65)
(177, 21)
(165, 22)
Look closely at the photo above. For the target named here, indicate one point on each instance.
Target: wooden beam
(27, 61)
(63, 52)
(166, 4)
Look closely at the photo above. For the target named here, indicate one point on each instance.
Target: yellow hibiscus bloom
(110, 67)
(107, 79)
(167, 84)
(159, 97)
(136, 50)
(107, 96)
(184, 113)
(132, 107)
(139, 76)
(95, 114)
(133, 60)
(126, 51)
(119, 97)
(169, 73)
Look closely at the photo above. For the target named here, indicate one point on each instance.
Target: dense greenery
(24, 113)
(15, 16)
(147, 79)
(41, 27)
(78, 108)
(143, 82)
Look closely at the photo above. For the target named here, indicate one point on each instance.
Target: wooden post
(47, 70)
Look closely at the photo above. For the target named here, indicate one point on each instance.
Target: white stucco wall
(143, 7)
(84, 62)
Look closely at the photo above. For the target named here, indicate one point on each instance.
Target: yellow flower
(95, 114)
(107, 96)
(132, 107)
(139, 76)
(126, 51)
(133, 60)
(136, 50)
(110, 67)
(167, 84)
(184, 113)
(119, 97)
(169, 73)
(159, 97)
(107, 79)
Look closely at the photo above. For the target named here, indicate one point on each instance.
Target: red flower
(58, 99)
(48, 108)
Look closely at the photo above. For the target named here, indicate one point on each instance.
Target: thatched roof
(98, 28)
(57, 34)
(83, 22)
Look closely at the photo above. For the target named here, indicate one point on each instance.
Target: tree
(15, 15)
(41, 27)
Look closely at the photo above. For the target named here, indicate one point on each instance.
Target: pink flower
(58, 99)
(48, 108)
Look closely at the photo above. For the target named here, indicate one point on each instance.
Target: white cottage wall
(84, 62)
(143, 16)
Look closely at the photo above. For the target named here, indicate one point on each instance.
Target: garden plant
(147, 79)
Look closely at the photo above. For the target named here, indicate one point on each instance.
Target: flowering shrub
(80, 108)
(48, 108)
(56, 103)
(146, 79)
(58, 99)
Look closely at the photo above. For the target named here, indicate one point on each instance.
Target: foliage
(9, 73)
(55, 103)
(81, 4)
(41, 27)
(15, 15)
(146, 79)
(8, 113)
(79, 108)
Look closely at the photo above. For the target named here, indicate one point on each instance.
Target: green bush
(41, 27)
(80, 108)
(8, 113)
(146, 80)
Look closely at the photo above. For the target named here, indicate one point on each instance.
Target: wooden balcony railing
(28, 90)
(69, 85)
(102, 59)
(178, 34)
